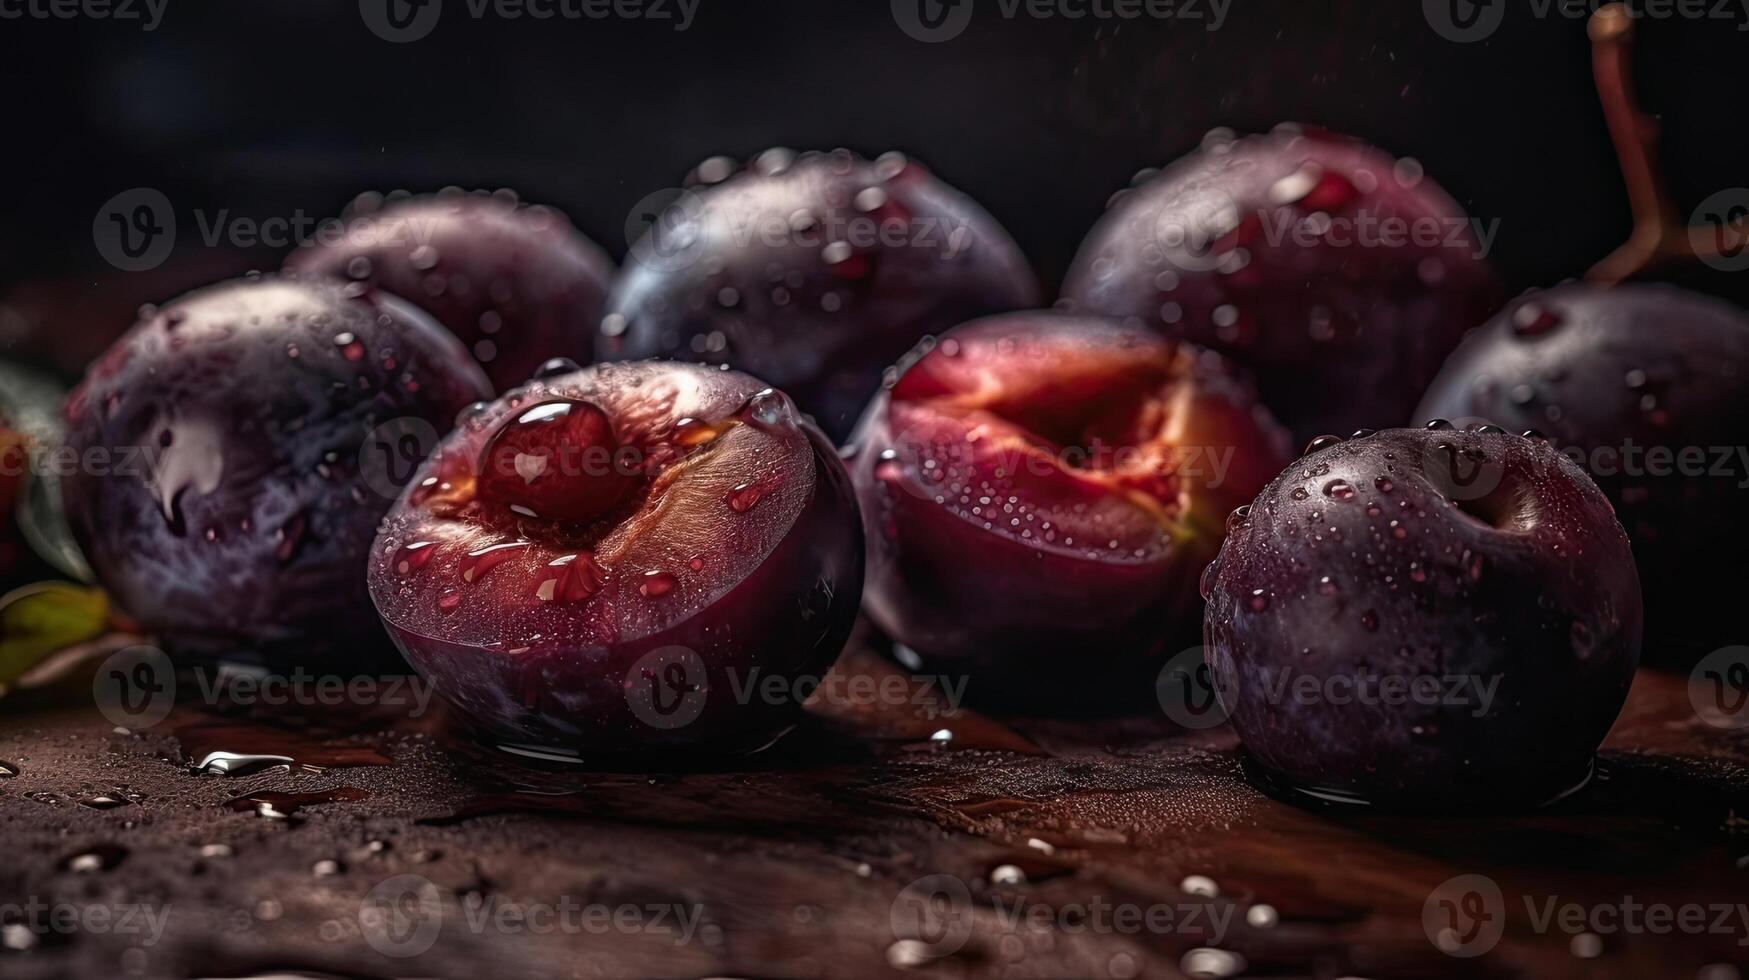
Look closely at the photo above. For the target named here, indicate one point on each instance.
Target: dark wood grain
(797, 861)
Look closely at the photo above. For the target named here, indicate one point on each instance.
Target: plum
(1038, 487)
(815, 272)
(1647, 388)
(1426, 619)
(227, 493)
(32, 521)
(1340, 276)
(515, 282)
(619, 560)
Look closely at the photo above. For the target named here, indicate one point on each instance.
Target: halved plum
(515, 282)
(814, 271)
(1041, 492)
(228, 485)
(633, 600)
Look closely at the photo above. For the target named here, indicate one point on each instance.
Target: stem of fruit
(1659, 235)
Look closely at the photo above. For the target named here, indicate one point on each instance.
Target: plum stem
(1659, 234)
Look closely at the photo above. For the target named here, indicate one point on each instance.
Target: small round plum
(226, 494)
(515, 282)
(815, 272)
(1647, 388)
(1040, 493)
(624, 560)
(1339, 276)
(1425, 619)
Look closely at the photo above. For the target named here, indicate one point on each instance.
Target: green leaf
(38, 620)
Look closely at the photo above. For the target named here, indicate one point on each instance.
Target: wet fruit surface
(228, 487)
(1435, 618)
(615, 559)
(516, 283)
(1039, 483)
(813, 272)
(1340, 276)
(1647, 387)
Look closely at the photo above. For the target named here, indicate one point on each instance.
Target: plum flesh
(223, 497)
(515, 282)
(716, 549)
(815, 272)
(1434, 619)
(1040, 486)
(1340, 276)
(1647, 387)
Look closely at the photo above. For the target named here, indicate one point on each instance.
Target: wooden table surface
(857, 846)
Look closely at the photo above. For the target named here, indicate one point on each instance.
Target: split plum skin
(516, 283)
(1038, 487)
(1339, 276)
(1480, 575)
(228, 505)
(814, 272)
(625, 535)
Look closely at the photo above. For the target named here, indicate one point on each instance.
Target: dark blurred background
(281, 108)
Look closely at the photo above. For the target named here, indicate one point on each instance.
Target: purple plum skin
(234, 514)
(760, 593)
(763, 279)
(1369, 558)
(516, 283)
(1644, 372)
(1222, 249)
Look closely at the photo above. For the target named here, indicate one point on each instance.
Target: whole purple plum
(228, 488)
(1647, 387)
(1339, 276)
(815, 272)
(515, 282)
(1433, 619)
(624, 560)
